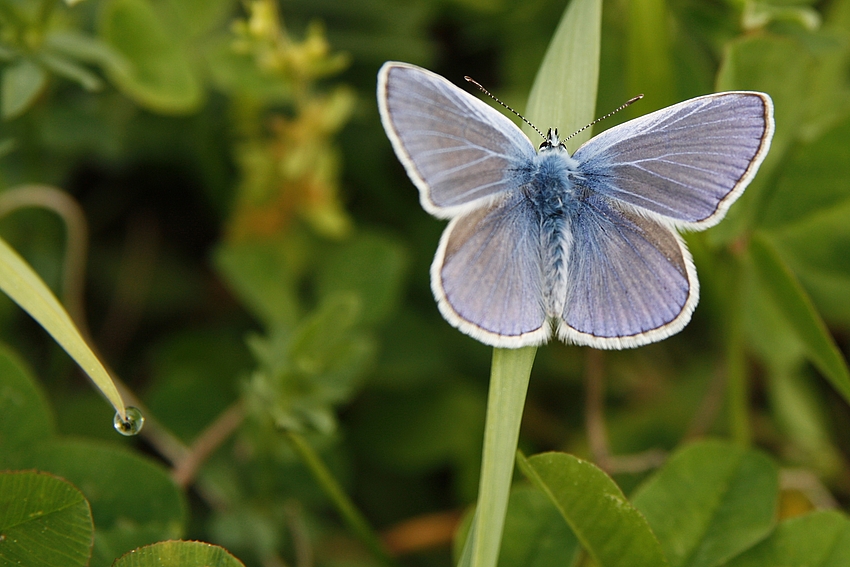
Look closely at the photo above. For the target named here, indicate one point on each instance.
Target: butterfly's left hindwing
(487, 274)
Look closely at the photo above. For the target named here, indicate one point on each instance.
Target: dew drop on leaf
(133, 424)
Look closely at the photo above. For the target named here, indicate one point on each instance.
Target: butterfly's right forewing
(459, 151)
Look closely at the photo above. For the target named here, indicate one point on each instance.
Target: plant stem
(350, 514)
(508, 386)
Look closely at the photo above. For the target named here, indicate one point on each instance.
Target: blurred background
(251, 242)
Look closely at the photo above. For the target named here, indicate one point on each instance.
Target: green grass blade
(508, 385)
(22, 284)
(564, 92)
(797, 307)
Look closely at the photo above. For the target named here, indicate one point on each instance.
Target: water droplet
(134, 423)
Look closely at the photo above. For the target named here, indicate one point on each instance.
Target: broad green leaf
(44, 522)
(22, 82)
(535, 533)
(816, 251)
(179, 554)
(797, 308)
(71, 70)
(612, 531)
(196, 17)
(711, 501)
(25, 416)
(750, 63)
(828, 99)
(819, 539)
(85, 48)
(564, 92)
(133, 500)
(159, 74)
(372, 267)
(261, 274)
(22, 284)
(812, 181)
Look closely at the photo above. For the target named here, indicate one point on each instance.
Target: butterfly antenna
(491, 95)
(629, 102)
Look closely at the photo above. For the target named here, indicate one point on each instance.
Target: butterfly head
(552, 141)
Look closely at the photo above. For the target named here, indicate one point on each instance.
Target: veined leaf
(612, 531)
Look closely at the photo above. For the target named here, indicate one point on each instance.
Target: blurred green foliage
(258, 263)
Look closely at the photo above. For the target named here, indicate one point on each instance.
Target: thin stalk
(508, 387)
(357, 523)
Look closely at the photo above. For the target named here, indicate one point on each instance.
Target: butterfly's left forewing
(460, 152)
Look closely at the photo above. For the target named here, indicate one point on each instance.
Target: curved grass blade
(795, 304)
(22, 284)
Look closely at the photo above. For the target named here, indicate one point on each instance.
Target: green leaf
(85, 48)
(820, 539)
(25, 416)
(133, 500)
(649, 66)
(196, 17)
(238, 75)
(22, 82)
(750, 64)
(304, 372)
(159, 75)
(261, 274)
(816, 251)
(509, 374)
(797, 308)
(711, 501)
(44, 522)
(535, 533)
(612, 531)
(70, 69)
(813, 180)
(22, 284)
(372, 267)
(179, 554)
(564, 92)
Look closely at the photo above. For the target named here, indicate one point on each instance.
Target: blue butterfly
(585, 245)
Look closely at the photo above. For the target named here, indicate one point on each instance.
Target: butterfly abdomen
(552, 193)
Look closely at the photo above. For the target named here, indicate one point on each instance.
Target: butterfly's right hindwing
(458, 151)
(632, 280)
